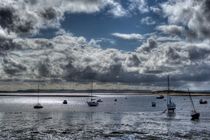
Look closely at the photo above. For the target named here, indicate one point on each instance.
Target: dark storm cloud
(7, 17)
(10, 21)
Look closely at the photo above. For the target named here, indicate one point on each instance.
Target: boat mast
(168, 84)
(91, 90)
(191, 99)
(38, 91)
(168, 89)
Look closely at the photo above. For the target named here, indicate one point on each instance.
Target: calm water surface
(131, 117)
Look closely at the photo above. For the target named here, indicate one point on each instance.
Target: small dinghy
(153, 104)
(99, 100)
(92, 102)
(203, 102)
(65, 102)
(115, 100)
(160, 97)
(38, 106)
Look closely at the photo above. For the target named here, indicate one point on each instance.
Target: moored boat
(92, 102)
(38, 105)
(194, 114)
(203, 101)
(160, 97)
(153, 104)
(65, 102)
(171, 106)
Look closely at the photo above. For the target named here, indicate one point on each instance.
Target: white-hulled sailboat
(171, 106)
(92, 102)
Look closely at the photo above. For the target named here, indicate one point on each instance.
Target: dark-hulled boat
(160, 97)
(99, 100)
(202, 101)
(194, 114)
(65, 102)
(92, 103)
(38, 105)
(153, 104)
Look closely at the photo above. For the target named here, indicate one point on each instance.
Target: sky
(128, 41)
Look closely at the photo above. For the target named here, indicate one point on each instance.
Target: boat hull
(38, 106)
(195, 116)
(153, 104)
(203, 102)
(65, 102)
(160, 97)
(171, 107)
(92, 104)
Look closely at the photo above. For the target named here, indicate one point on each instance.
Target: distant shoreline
(86, 93)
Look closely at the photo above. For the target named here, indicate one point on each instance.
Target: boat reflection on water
(171, 115)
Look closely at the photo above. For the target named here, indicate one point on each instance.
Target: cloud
(132, 36)
(69, 58)
(191, 14)
(25, 17)
(140, 5)
(116, 9)
(155, 9)
(148, 46)
(148, 21)
(171, 29)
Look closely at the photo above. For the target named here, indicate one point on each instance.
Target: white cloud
(116, 9)
(6, 34)
(171, 29)
(132, 36)
(192, 14)
(155, 9)
(140, 5)
(148, 21)
(67, 57)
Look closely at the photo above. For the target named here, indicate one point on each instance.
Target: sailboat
(92, 101)
(194, 114)
(38, 105)
(171, 106)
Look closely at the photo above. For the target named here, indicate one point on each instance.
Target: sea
(131, 117)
